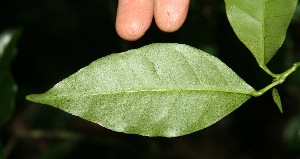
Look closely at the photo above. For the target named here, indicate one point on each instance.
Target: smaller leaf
(276, 98)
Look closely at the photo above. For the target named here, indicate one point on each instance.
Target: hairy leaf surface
(8, 87)
(261, 24)
(157, 90)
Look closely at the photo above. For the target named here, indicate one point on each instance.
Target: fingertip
(170, 15)
(133, 18)
(130, 31)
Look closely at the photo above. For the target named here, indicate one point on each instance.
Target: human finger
(170, 14)
(133, 19)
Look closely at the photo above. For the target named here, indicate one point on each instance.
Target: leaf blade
(261, 25)
(162, 84)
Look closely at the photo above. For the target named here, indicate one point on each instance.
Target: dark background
(61, 36)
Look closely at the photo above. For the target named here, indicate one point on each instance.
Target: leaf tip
(33, 98)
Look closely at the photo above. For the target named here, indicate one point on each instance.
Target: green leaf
(276, 98)
(157, 90)
(8, 87)
(261, 24)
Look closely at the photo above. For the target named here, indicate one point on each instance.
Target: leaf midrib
(161, 91)
(263, 34)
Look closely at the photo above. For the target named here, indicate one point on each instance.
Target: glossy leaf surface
(157, 90)
(261, 24)
(8, 87)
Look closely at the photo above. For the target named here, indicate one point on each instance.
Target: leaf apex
(33, 98)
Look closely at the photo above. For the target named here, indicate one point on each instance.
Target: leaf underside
(261, 24)
(157, 90)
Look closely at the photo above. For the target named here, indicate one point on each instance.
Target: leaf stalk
(265, 68)
(278, 79)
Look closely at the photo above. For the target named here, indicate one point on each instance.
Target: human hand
(134, 17)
